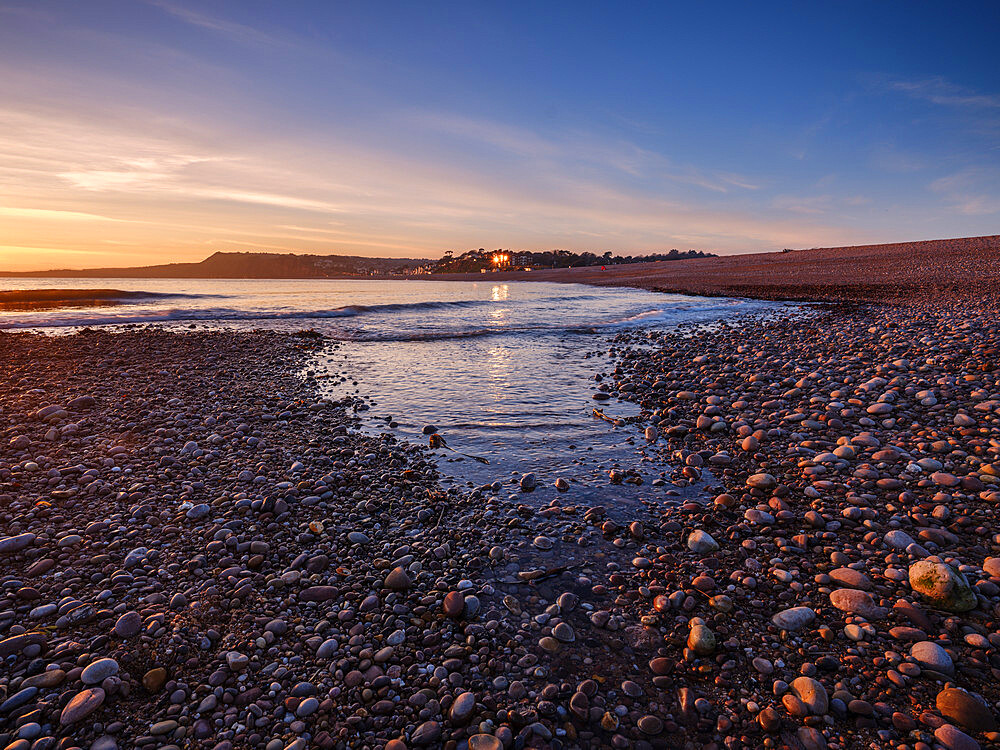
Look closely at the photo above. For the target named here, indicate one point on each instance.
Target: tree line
(473, 261)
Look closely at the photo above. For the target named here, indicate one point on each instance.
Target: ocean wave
(168, 316)
(209, 315)
(219, 314)
(400, 306)
(415, 336)
(549, 317)
(65, 295)
(508, 425)
(458, 304)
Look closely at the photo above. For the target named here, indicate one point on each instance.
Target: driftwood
(620, 421)
(599, 413)
(532, 576)
(438, 442)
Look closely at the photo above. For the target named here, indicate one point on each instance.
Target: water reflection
(500, 369)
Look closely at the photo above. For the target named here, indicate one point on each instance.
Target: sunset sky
(146, 132)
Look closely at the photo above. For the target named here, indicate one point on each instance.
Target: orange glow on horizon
(80, 189)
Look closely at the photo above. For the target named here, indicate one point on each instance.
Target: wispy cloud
(971, 192)
(25, 12)
(816, 205)
(53, 215)
(510, 139)
(737, 180)
(887, 158)
(578, 148)
(237, 32)
(939, 90)
(45, 250)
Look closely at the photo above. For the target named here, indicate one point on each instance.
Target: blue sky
(169, 129)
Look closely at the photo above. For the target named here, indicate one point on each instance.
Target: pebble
(953, 738)
(462, 708)
(426, 733)
(454, 604)
(128, 625)
(651, 725)
(701, 542)
(965, 709)
(484, 742)
(154, 679)
(197, 512)
(795, 618)
(98, 671)
(701, 640)
(812, 693)
(564, 633)
(942, 585)
(931, 656)
(850, 578)
(398, 580)
(81, 705)
(12, 544)
(858, 603)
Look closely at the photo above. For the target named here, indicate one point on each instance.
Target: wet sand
(46, 299)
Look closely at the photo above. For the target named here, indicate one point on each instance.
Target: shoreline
(407, 616)
(932, 269)
(896, 272)
(874, 271)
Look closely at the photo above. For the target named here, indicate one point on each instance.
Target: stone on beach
(795, 618)
(17, 543)
(701, 640)
(82, 705)
(952, 738)
(701, 542)
(932, 656)
(319, 593)
(454, 604)
(942, 585)
(850, 578)
(812, 693)
(98, 671)
(969, 711)
(462, 708)
(398, 580)
(858, 603)
(762, 481)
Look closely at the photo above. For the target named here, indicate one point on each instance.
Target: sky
(139, 132)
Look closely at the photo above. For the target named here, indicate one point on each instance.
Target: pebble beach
(200, 550)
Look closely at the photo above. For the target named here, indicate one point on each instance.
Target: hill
(244, 265)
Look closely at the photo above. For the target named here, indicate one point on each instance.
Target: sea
(505, 372)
